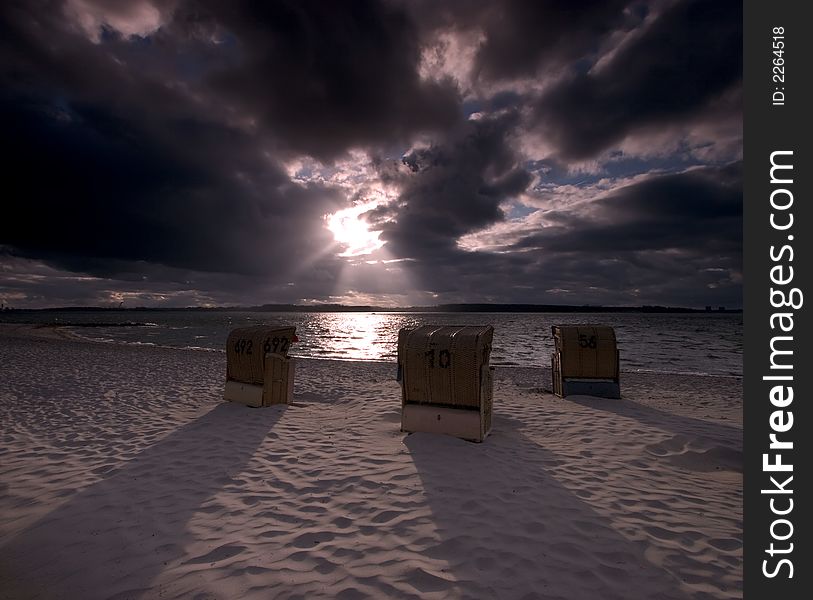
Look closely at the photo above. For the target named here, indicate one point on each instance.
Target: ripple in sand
(220, 553)
(309, 540)
(697, 454)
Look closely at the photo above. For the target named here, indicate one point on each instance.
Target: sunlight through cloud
(352, 231)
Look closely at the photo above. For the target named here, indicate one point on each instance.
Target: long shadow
(137, 516)
(508, 529)
(659, 419)
(531, 378)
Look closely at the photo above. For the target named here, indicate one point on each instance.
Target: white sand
(123, 475)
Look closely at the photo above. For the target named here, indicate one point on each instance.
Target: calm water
(702, 343)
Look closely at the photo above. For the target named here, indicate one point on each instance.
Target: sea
(681, 343)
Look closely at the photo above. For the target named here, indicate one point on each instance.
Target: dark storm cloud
(453, 187)
(152, 149)
(32, 282)
(523, 35)
(699, 211)
(688, 57)
(668, 232)
(92, 190)
(669, 239)
(113, 159)
(325, 76)
(521, 38)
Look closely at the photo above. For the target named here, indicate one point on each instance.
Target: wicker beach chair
(446, 381)
(585, 361)
(259, 371)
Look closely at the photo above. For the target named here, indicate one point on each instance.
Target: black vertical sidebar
(777, 260)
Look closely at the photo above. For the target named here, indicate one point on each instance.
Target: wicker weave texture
(586, 351)
(246, 348)
(556, 373)
(279, 379)
(488, 398)
(442, 365)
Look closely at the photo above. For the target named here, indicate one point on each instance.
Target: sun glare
(352, 231)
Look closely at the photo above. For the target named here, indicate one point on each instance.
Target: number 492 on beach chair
(259, 371)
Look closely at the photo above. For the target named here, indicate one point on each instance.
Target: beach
(123, 474)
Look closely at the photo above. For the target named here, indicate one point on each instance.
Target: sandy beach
(123, 474)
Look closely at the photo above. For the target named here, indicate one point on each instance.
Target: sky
(397, 153)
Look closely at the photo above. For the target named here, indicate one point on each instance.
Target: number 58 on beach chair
(585, 361)
(258, 369)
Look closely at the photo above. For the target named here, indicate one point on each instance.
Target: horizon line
(450, 307)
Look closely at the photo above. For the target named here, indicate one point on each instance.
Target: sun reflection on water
(357, 336)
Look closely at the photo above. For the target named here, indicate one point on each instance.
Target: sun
(352, 231)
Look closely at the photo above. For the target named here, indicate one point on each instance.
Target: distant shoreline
(440, 308)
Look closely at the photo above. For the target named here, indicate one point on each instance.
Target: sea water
(690, 343)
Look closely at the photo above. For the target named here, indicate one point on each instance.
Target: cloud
(188, 151)
(523, 37)
(110, 165)
(96, 188)
(685, 59)
(325, 77)
(654, 240)
(133, 18)
(697, 211)
(450, 188)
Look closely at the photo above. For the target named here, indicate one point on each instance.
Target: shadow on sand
(137, 515)
(729, 435)
(509, 529)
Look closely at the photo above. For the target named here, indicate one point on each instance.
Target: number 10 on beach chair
(258, 369)
(446, 381)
